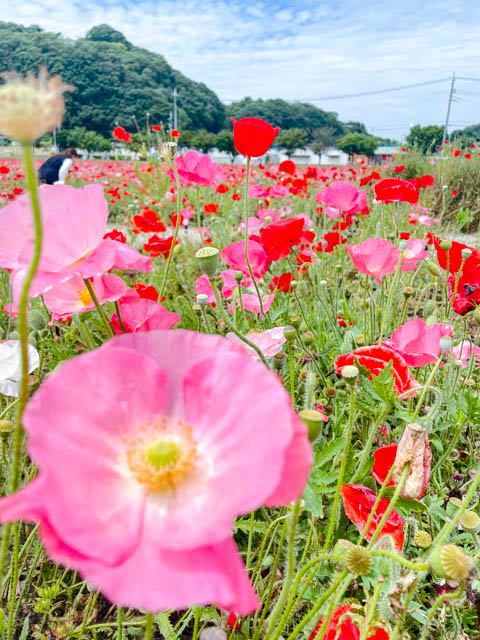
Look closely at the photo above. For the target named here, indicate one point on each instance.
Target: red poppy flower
(211, 207)
(345, 630)
(253, 137)
(156, 127)
(404, 235)
(394, 189)
(423, 182)
(375, 359)
(148, 222)
(120, 134)
(457, 153)
(237, 196)
(222, 188)
(175, 133)
(145, 291)
(358, 502)
(453, 257)
(115, 234)
(373, 176)
(330, 241)
(4, 170)
(399, 168)
(281, 283)
(468, 288)
(468, 156)
(159, 246)
(277, 238)
(454, 193)
(383, 460)
(287, 166)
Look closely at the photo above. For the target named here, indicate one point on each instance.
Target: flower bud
(476, 315)
(308, 338)
(314, 421)
(408, 292)
(289, 333)
(342, 547)
(6, 428)
(238, 275)
(30, 107)
(422, 539)
(413, 448)
(450, 562)
(403, 244)
(330, 392)
(446, 245)
(429, 307)
(197, 309)
(37, 320)
(434, 269)
(208, 260)
(359, 561)
(466, 253)
(295, 321)
(202, 299)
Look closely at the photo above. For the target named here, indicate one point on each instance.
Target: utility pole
(450, 98)
(175, 108)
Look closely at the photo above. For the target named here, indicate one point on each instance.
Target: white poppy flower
(11, 366)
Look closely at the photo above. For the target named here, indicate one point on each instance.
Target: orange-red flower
(253, 137)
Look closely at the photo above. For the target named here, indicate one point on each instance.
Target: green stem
(119, 316)
(343, 465)
(392, 293)
(425, 388)
(438, 602)
(119, 623)
(98, 307)
(247, 260)
(148, 626)
(413, 566)
(371, 610)
(230, 324)
(177, 227)
(23, 336)
(277, 610)
(368, 444)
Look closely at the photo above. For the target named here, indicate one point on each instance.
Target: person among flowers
(56, 168)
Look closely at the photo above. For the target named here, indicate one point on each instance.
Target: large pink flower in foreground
(73, 222)
(375, 257)
(417, 342)
(147, 449)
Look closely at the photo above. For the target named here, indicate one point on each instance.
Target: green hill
(117, 82)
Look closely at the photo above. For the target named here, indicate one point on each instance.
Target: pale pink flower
(72, 296)
(331, 212)
(375, 257)
(417, 342)
(269, 342)
(414, 252)
(251, 302)
(271, 213)
(463, 351)
(197, 168)
(147, 449)
(74, 223)
(142, 314)
(234, 255)
(253, 224)
(203, 286)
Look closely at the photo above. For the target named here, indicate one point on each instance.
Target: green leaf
(313, 502)
(329, 452)
(165, 627)
(24, 634)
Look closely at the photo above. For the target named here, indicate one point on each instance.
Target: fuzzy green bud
(446, 343)
(359, 561)
(434, 269)
(289, 333)
(314, 421)
(37, 320)
(295, 321)
(429, 307)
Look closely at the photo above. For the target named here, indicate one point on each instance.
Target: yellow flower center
(162, 455)
(85, 297)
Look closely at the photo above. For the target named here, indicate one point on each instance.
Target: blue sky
(301, 50)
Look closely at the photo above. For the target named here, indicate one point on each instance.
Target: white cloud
(298, 50)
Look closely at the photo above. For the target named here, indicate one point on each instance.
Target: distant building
(385, 154)
(331, 156)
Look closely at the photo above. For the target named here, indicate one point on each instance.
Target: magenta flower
(375, 257)
(414, 252)
(234, 255)
(197, 168)
(203, 286)
(251, 302)
(417, 342)
(142, 314)
(147, 449)
(74, 223)
(72, 296)
(257, 191)
(464, 350)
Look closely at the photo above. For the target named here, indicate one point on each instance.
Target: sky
(306, 50)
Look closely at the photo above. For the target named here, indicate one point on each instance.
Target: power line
(378, 91)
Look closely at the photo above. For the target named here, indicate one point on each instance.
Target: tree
(358, 143)
(204, 141)
(291, 139)
(105, 33)
(426, 139)
(225, 143)
(323, 138)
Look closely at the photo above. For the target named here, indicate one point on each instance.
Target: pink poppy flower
(72, 296)
(376, 257)
(234, 256)
(269, 342)
(414, 252)
(142, 314)
(251, 303)
(202, 285)
(257, 191)
(277, 191)
(253, 224)
(343, 196)
(417, 342)
(197, 168)
(463, 351)
(138, 488)
(74, 223)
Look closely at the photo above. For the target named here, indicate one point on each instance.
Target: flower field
(236, 402)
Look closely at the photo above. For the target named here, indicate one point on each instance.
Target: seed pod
(359, 561)
(450, 562)
(422, 539)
